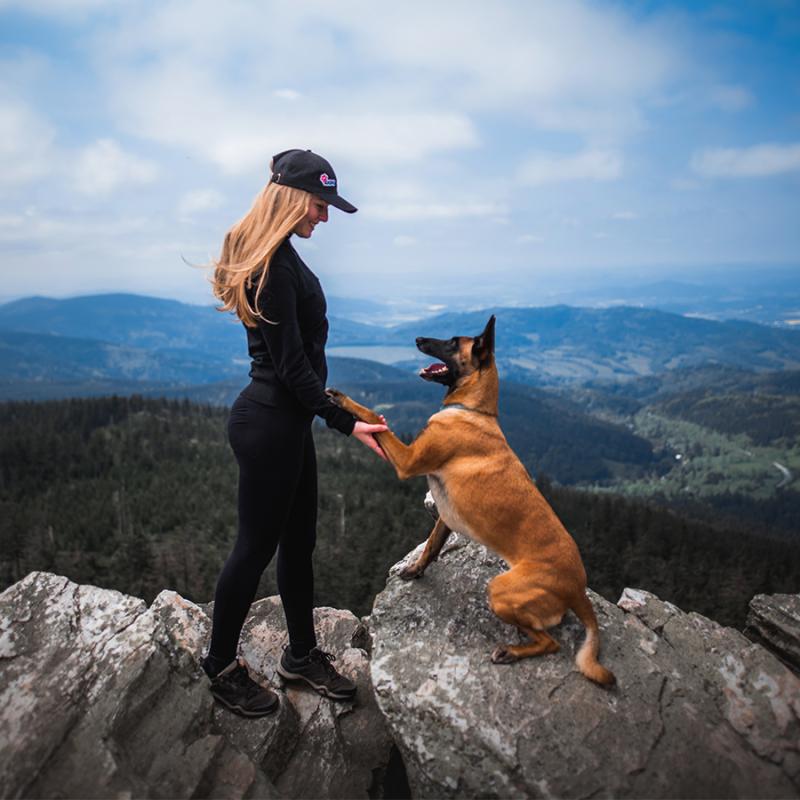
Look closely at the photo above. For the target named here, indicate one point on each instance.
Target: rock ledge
(103, 697)
(700, 711)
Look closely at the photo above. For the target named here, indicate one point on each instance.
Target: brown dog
(482, 490)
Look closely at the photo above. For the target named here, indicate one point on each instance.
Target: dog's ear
(483, 345)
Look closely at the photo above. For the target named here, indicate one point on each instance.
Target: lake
(383, 354)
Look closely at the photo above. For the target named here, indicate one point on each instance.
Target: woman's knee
(251, 557)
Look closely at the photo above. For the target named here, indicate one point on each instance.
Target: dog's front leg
(356, 409)
(438, 536)
(422, 456)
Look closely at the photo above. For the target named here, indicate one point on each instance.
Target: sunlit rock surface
(699, 711)
(101, 696)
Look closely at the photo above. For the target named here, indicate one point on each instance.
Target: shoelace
(325, 659)
(241, 677)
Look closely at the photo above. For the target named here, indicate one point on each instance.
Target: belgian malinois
(482, 490)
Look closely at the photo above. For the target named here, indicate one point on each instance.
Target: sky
(497, 150)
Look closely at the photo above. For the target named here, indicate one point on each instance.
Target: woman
(261, 278)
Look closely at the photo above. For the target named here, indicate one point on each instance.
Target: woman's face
(317, 212)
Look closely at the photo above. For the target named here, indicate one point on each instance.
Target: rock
(699, 711)
(101, 696)
(774, 621)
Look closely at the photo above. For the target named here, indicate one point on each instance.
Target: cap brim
(340, 203)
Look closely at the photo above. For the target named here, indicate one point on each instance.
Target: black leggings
(277, 509)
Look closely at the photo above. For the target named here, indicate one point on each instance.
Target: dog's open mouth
(436, 370)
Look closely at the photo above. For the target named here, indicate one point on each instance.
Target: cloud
(529, 238)
(432, 210)
(211, 79)
(404, 241)
(758, 161)
(545, 53)
(26, 142)
(33, 226)
(287, 94)
(185, 106)
(197, 201)
(589, 165)
(103, 166)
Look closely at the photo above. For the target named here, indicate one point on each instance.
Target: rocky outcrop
(699, 710)
(774, 621)
(101, 696)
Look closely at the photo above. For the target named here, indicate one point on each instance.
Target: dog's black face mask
(445, 371)
(457, 356)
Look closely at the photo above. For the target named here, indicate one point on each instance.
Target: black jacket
(287, 348)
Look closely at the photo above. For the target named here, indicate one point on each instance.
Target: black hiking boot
(318, 672)
(236, 690)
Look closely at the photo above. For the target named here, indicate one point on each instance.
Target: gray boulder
(101, 696)
(699, 710)
(774, 621)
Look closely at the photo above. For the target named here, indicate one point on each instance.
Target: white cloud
(240, 136)
(397, 87)
(544, 51)
(589, 165)
(198, 201)
(530, 238)
(404, 241)
(287, 94)
(432, 210)
(26, 141)
(625, 215)
(758, 161)
(103, 166)
(32, 226)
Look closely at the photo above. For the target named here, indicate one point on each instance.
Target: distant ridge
(540, 345)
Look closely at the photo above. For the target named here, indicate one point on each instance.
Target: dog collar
(462, 407)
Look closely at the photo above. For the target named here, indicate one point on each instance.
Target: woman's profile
(261, 278)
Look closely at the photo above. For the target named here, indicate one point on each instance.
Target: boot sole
(317, 687)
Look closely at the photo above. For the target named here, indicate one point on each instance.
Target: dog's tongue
(435, 369)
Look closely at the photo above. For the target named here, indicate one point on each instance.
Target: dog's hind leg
(438, 536)
(531, 608)
(541, 643)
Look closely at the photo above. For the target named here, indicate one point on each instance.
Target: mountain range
(132, 337)
(596, 397)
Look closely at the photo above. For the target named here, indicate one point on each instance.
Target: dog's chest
(445, 507)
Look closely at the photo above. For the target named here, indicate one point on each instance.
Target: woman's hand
(363, 432)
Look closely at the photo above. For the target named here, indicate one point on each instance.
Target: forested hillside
(139, 495)
(729, 441)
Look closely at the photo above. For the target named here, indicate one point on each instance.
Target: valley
(689, 413)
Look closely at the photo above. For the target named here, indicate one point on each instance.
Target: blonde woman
(262, 279)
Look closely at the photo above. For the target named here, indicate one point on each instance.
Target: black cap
(305, 170)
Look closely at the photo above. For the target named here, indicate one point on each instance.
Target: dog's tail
(587, 656)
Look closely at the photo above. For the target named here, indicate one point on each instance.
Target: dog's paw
(410, 572)
(501, 655)
(335, 396)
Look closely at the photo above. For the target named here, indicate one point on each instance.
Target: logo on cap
(326, 181)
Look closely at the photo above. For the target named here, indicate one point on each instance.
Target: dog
(482, 489)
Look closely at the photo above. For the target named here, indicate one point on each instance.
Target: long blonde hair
(249, 246)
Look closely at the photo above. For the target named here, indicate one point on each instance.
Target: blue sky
(501, 149)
